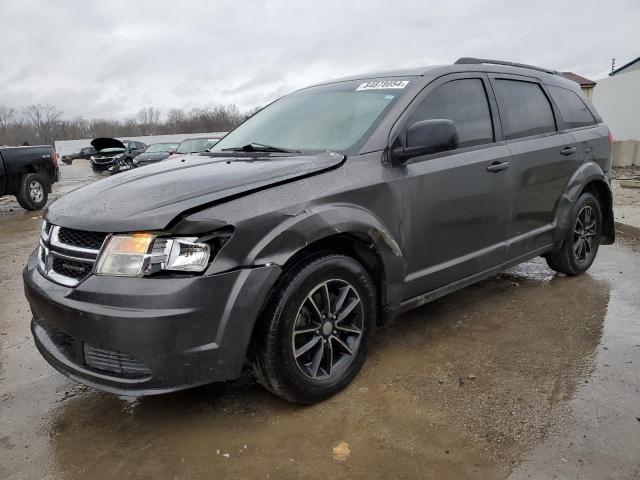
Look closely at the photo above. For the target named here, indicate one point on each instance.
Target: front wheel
(318, 327)
(581, 243)
(33, 192)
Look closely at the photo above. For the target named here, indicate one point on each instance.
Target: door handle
(498, 166)
(566, 151)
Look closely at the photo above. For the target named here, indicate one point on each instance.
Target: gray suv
(325, 214)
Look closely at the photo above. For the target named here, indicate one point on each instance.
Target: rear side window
(524, 109)
(573, 110)
(465, 103)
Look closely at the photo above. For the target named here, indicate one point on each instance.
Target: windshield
(161, 147)
(196, 145)
(334, 117)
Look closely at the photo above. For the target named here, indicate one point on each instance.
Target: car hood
(150, 198)
(152, 156)
(101, 143)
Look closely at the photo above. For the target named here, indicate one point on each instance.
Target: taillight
(610, 138)
(55, 157)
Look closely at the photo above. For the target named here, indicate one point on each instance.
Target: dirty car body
(422, 223)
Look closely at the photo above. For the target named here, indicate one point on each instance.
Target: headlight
(92, 157)
(145, 253)
(120, 155)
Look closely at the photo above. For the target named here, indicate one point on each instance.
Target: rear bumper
(151, 335)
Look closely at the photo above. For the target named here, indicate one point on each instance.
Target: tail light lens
(55, 158)
(610, 138)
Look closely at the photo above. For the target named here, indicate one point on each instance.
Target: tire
(310, 377)
(32, 194)
(585, 228)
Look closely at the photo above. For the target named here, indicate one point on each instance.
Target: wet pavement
(525, 375)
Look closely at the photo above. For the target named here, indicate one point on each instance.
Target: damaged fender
(286, 234)
(583, 176)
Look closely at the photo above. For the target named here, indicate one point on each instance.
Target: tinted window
(465, 103)
(524, 109)
(573, 110)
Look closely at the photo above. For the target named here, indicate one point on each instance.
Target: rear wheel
(320, 323)
(581, 244)
(32, 194)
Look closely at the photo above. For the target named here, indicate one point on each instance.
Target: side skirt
(390, 313)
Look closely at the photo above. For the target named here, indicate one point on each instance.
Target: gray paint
(429, 227)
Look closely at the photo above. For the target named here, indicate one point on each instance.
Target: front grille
(81, 238)
(71, 268)
(67, 255)
(114, 362)
(103, 160)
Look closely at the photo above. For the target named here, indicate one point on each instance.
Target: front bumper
(177, 332)
(102, 163)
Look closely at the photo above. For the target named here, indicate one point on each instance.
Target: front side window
(465, 103)
(572, 109)
(524, 109)
(335, 117)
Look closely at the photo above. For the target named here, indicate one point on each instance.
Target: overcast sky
(108, 58)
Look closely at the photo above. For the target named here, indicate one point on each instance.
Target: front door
(457, 201)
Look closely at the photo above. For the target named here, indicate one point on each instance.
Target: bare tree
(7, 116)
(44, 124)
(42, 119)
(175, 120)
(148, 119)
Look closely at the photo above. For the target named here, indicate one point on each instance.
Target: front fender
(276, 238)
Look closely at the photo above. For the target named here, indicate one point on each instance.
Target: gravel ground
(626, 201)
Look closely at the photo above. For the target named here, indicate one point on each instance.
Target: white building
(617, 99)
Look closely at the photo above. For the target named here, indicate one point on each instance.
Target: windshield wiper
(259, 147)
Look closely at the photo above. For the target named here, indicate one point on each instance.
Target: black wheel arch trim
(588, 177)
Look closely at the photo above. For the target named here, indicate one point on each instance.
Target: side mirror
(426, 137)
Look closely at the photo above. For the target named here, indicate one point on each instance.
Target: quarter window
(524, 109)
(465, 103)
(572, 109)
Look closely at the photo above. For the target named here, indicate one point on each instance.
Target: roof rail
(478, 61)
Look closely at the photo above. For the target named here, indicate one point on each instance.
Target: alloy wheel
(328, 329)
(584, 234)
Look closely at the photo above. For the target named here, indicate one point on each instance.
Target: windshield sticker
(383, 85)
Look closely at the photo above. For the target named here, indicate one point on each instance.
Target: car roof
(464, 65)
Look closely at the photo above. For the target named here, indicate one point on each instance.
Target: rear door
(576, 118)
(456, 201)
(543, 159)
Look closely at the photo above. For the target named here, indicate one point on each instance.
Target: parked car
(155, 153)
(28, 173)
(84, 153)
(109, 151)
(333, 209)
(194, 145)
